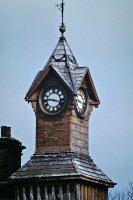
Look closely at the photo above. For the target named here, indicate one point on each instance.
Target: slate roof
(61, 164)
(63, 62)
(62, 56)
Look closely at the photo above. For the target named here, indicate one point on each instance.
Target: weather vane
(61, 7)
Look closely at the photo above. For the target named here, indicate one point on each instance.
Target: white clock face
(52, 100)
(81, 102)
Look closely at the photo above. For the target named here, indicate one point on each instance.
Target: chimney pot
(5, 131)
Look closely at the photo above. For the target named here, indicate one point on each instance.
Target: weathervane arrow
(61, 7)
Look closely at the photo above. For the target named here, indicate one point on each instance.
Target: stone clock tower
(62, 96)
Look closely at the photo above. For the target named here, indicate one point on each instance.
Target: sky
(100, 34)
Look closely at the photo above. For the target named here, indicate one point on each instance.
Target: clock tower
(62, 96)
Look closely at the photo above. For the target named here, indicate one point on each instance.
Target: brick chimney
(10, 161)
(5, 131)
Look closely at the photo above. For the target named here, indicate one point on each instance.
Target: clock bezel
(44, 91)
(83, 114)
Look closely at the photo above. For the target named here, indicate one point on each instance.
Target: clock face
(81, 102)
(52, 100)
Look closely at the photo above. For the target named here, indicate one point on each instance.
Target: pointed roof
(62, 56)
(64, 64)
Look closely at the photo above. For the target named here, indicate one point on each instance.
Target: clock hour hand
(83, 105)
(80, 102)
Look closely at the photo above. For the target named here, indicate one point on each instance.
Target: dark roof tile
(65, 65)
(61, 165)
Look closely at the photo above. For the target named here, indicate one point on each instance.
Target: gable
(42, 76)
(93, 96)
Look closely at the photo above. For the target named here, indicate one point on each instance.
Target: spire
(62, 56)
(64, 64)
(62, 26)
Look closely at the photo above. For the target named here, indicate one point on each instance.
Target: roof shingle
(61, 164)
(64, 63)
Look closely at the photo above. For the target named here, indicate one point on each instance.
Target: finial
(61, 7)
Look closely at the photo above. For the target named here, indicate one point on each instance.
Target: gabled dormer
(63, 63)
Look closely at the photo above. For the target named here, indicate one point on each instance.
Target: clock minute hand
(53, 100)
(81, 103)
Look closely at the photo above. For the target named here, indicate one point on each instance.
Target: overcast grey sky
(100, 34)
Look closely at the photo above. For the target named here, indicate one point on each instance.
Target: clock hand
(53, 100)
(81, 103)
